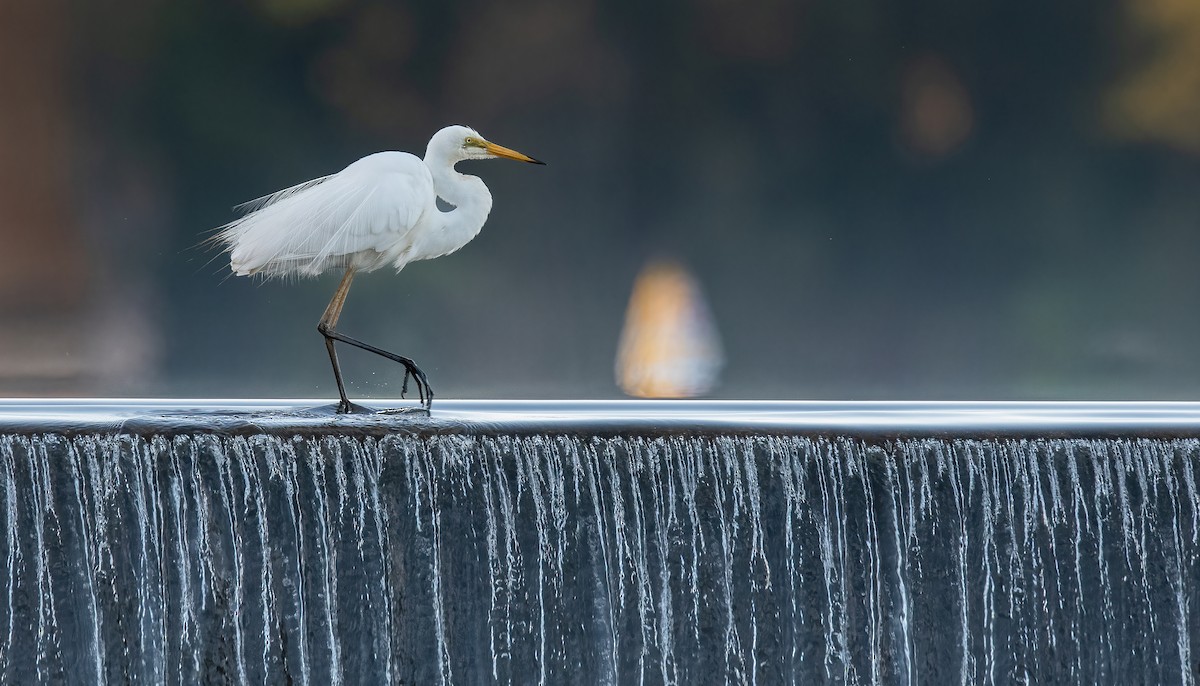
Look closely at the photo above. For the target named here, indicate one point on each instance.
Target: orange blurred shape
(669, 347)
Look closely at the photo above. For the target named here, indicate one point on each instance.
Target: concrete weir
(599, 542)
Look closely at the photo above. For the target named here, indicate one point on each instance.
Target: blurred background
(856, 199)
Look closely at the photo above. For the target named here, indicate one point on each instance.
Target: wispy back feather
(259, 203)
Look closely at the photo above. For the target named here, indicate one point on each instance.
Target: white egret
(380, 211)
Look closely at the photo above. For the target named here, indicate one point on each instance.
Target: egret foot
(418, 376)
(339, 408)
(348, 407)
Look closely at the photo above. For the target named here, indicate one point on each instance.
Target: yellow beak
(501, 151)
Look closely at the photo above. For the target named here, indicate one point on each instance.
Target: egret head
(458, 143)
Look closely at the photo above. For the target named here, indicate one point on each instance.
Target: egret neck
(471, 200)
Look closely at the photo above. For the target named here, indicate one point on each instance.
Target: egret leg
(327, 325)
(424, 391)
(328, 328)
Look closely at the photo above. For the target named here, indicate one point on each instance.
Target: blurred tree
(1158, 97)
(44, 274)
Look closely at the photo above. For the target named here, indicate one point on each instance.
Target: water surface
(214, 542)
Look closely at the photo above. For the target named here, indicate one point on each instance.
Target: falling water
(555, 558)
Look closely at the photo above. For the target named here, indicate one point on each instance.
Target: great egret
(380, 211)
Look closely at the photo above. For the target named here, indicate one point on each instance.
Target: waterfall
(552, 558)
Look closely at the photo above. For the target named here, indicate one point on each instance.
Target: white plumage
(362, 215)
(379, 211)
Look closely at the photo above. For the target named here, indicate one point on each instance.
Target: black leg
(424, 391)
(344, 406)
(328, 329)
(327, 323)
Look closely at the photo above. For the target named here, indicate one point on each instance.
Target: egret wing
(360, 216)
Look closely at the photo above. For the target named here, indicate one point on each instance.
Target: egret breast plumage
(381, 211)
